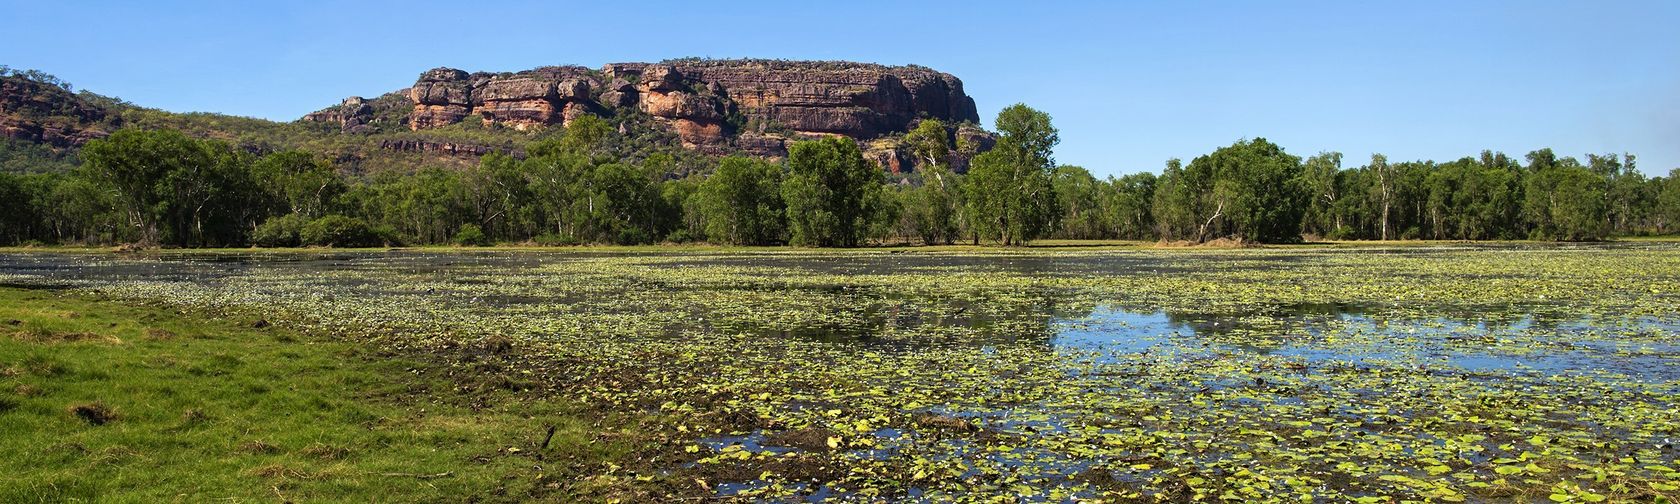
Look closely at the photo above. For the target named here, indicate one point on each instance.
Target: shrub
(338, 231)
(633, 235)
(470, 235)
(555, 240)
(387, 235)
(682, 235)
(282, 231)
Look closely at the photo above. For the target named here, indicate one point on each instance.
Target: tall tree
(1010, 196)
(1077, 198)
(742, 202)
(498, 193)
(1385, 178)
(933, 210)
(833, 195)
(1250, 190)
(1667, 206)
(1320, 179)
(1127, 207)
(928, 142)
(304, 183)
(191, 192)
(17, 213)
(1259, 187)
(1564, 200)
(1177, 202)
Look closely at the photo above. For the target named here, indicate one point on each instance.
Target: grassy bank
(103, 401)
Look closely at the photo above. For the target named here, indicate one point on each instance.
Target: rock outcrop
(352, 116)
(447, 148)
(715, 106)
(38, 112)
(441, 97)
(856, 100)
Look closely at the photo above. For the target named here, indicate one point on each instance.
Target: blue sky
(1128, 84)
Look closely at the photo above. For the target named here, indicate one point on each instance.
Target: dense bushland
(588, 184)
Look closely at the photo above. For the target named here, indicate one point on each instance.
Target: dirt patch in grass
(94, 413)
(321, 451)
(44, 367)
(257, 447)
(279, 472)
(193, 417)
(33, 335)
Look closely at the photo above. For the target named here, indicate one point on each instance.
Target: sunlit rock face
(725, 106)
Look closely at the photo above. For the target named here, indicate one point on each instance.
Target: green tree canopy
(306, 184)
(1250, 190)
(928, 142)
(833, 195)
(1010, 196)
(742, 202)
(176, 188)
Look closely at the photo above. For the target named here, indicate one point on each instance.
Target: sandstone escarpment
(441, 97)
(855, 100)
(716, 106)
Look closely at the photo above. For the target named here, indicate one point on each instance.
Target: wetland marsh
(1371, 374)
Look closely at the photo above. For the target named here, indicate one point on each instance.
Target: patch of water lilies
(1368, 375)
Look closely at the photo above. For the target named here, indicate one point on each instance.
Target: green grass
(202, 409)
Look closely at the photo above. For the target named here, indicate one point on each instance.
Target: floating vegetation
(1367, 375)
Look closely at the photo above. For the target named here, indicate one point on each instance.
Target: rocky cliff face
(36, 112)
(715, 106)
(362, 116)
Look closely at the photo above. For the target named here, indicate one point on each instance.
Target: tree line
(162, 187)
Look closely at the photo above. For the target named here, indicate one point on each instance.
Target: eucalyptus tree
(174, 188)
(1078, 199)
(741, 202)
(928, 142)
(834, 196)
(1126, 205)
(1010, 197)
(1320, 178)
(303, 182)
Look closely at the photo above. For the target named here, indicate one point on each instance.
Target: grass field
(102, 401)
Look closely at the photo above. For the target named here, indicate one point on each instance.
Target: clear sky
(1129, 84)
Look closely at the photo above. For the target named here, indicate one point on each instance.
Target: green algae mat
(1508, 373)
